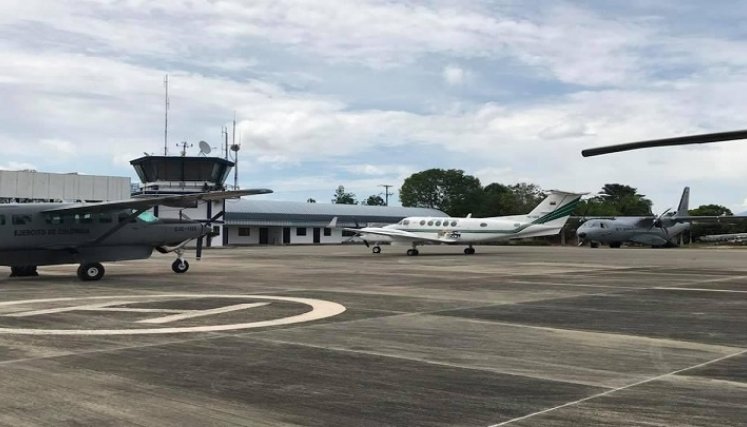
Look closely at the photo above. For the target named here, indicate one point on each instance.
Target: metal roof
(271, 212)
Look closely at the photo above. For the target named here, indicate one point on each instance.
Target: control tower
(167, 175)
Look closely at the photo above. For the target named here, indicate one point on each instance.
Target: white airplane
(545, 220)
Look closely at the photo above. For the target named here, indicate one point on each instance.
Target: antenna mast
(166, 117)
(386, 193)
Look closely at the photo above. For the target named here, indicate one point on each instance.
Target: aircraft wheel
(376, 249)
(23, 271)
(412, 252)
(593, 245)
(91, 272)
(615, 245)
(180, 266)
(469, 251)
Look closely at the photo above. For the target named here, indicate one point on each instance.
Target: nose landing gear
(376, 249)
(180, 265)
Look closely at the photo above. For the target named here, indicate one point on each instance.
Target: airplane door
(264, 236)
(286, 235)
(317, 235)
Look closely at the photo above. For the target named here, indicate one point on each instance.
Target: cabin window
(327, 231)
(2, 219)
(53, 220)
(83, 219)
(245, 231)
(483, 224)
(422, 222)
(438, 223)
(301, 231)
(601, 225)
(430, 222)
(147, 217)
(21, 219)
(104, 218)
(453, 223)
(348, 233)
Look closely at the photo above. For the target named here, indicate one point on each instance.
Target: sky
(365, 93)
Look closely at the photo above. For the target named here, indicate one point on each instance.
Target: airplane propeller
(657, 222)
(666, 142)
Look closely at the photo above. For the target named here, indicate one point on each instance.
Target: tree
(450, 190)
(310, 200)
(498, 199)
(703, 229)
(374, 200)
(615, 200)
(343, 198)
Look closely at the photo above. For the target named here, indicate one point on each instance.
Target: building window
(301, 231)
(245, 231)
(327, 231)
(2, 219)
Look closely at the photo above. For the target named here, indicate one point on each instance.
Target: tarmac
(337, 336)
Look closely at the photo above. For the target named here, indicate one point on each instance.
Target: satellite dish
(204, 148)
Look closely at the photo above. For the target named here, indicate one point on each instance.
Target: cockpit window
(406, 222)
(147, 217)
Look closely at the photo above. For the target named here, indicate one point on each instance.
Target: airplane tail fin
(682, 209)
(557, 205)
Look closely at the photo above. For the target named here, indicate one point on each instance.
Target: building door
(264, 234)
(317, 235)
(286, 235)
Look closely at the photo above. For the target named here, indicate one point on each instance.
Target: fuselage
(30, 237)
(621, 230)
(468, 230)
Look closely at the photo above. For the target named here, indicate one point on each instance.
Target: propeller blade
(198, 254)
(682, 140)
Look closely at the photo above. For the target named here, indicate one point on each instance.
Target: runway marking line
(605, 393)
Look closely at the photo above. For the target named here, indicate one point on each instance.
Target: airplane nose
(582, 235)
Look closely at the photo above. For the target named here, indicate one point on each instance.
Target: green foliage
(704, 229)
(343, 198)
(448, 190)
(615, 200)
(374, 200)
(498, 199)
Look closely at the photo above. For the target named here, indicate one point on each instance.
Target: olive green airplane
(34, 234)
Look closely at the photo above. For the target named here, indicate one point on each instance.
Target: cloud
(454, 75)
(17, 166)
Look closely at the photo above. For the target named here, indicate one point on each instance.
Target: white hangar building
(261, 222)
(23, 186)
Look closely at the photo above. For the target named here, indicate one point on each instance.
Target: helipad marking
(198, 313)
(320, 309)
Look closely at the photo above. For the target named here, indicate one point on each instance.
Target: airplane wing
(709, 218)
(399, 235)
(187, 200)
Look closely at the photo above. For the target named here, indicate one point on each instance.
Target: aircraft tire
(615, 245)
(593, 245)
(23, 271)
(376, 249)
(412, 252)
(91, 272)
(469, 251)
(180, 266)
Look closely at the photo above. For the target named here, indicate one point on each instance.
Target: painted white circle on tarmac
(320, 309)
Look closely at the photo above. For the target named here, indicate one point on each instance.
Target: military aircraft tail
(682, 209)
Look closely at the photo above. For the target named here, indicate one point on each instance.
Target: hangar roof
(270, 212)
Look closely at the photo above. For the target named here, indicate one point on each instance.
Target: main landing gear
(180, 265)
(376, 249)
(23, 271)
(91, 271)
(469, 251)
(412, 252)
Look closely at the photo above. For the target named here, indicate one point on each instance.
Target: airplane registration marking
(320, 309)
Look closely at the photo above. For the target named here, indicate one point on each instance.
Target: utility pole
(166, 117)
(386, 193)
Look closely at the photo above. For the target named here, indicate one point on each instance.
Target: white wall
(275, 236)
(55, 186)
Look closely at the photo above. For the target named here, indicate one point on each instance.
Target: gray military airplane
(33, 234)
(648, 230)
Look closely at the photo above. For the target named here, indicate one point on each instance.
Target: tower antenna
(386, 193)
(166, 117)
